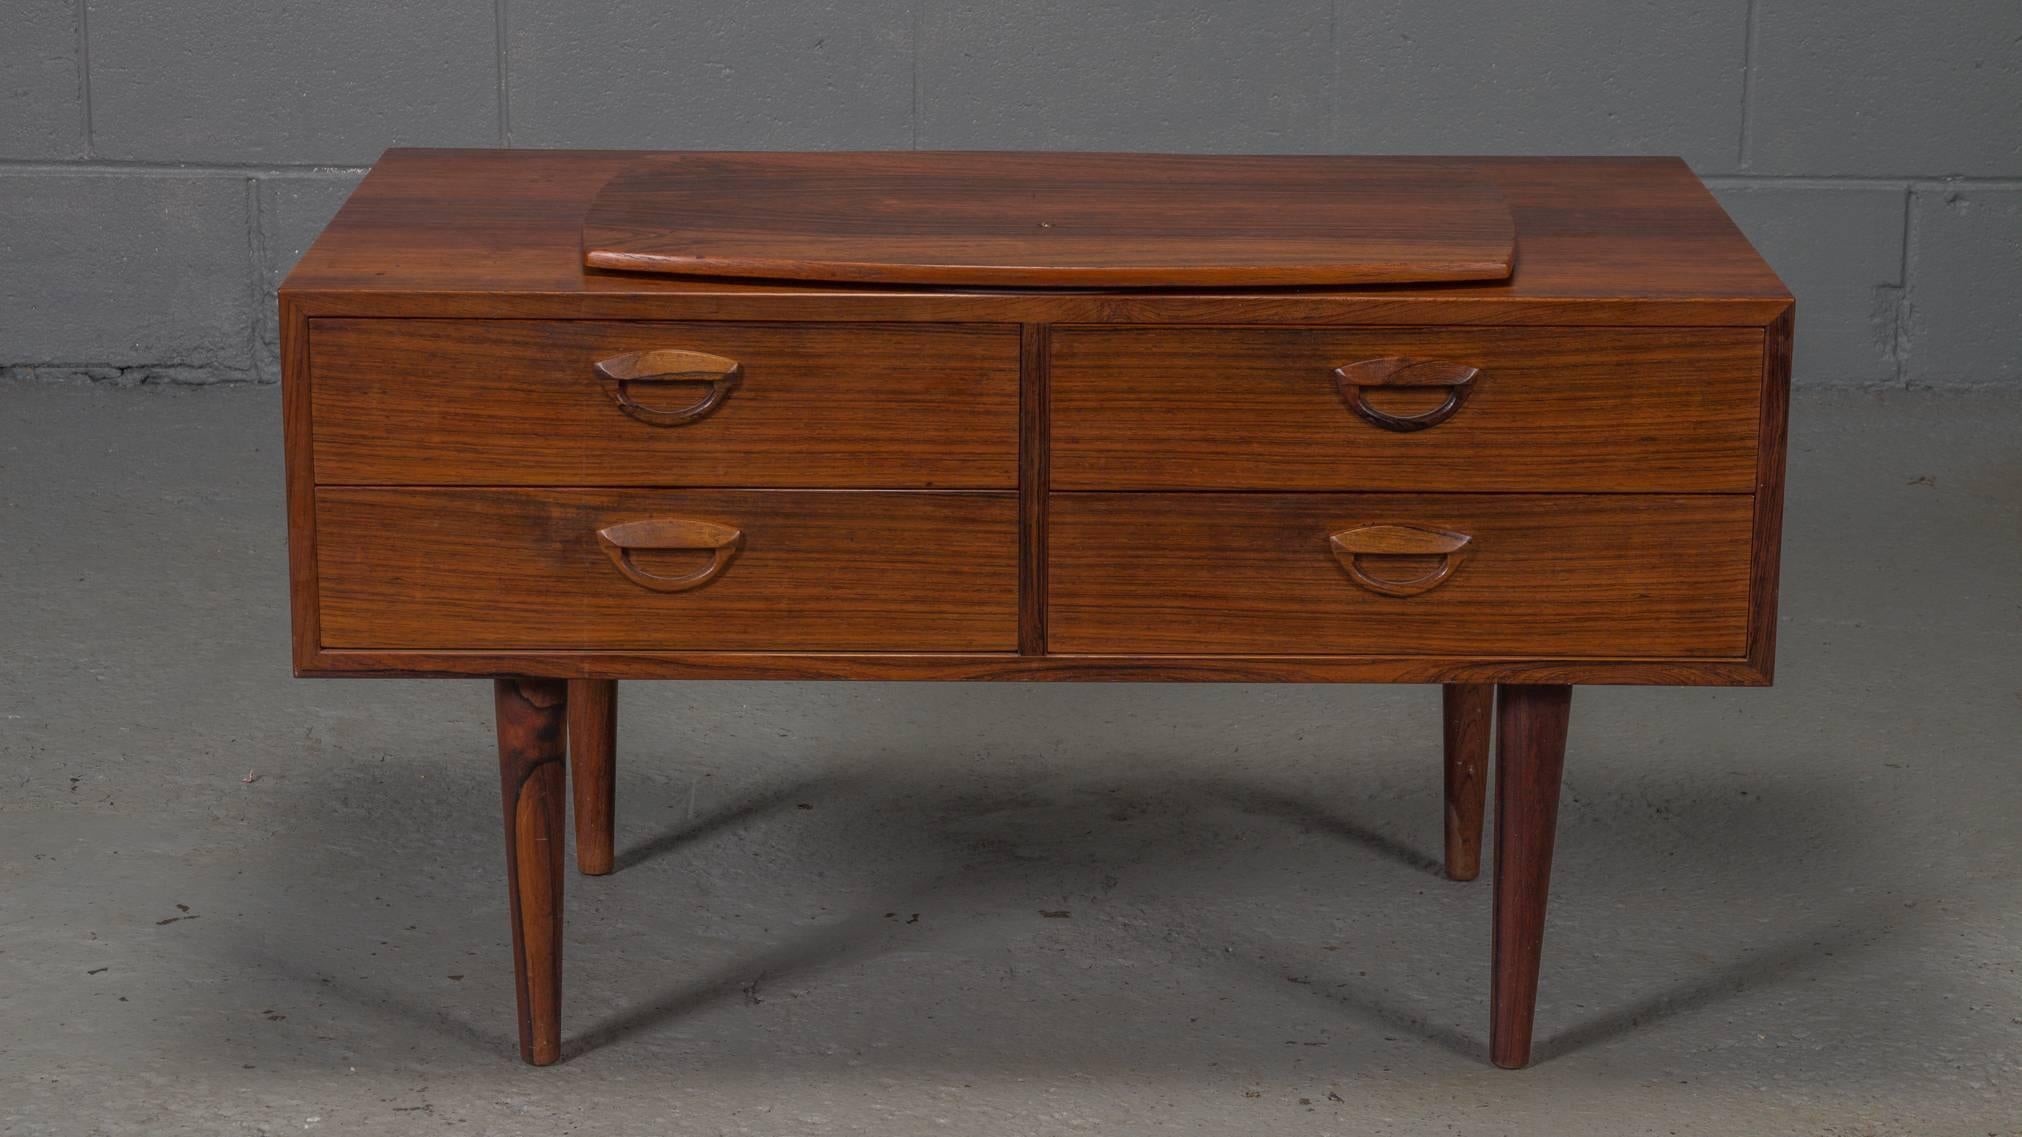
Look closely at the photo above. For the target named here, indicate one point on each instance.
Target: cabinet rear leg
(593, 763)
(1469, 711)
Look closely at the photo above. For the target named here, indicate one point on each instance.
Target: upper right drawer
(1481, 409)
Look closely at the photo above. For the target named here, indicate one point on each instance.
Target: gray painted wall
(162, 164)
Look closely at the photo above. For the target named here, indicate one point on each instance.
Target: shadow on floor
(964, 844)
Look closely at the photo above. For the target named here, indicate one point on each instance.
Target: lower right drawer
(1475, 575)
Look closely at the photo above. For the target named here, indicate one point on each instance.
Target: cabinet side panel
(1034, 443)
(299, 460)
(1767, 552)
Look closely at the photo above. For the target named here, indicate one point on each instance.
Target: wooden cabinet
(1505, 424)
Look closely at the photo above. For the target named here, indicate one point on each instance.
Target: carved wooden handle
(620, 541)
(1404, 371)
(1351, 546)
(669, 365)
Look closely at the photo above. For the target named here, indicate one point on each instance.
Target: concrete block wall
(161, 165)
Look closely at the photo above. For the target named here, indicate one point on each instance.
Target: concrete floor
(232, 902)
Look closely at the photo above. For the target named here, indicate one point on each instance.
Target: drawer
(703, 570)
(521, 402)
(1588, 576)
(1542, 409)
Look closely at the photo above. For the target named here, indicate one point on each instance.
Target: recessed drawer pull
(668, 366)
(1404, 542)
(1404, 371)
(621, 541)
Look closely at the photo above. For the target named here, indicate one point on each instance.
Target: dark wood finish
(1454, 381)
(497, 234)
(624, 376)
(629, 540)
(1553, 409)
(1767, 538)
(1467, 711)
(1426, 556)
(531, 717)
(838, 406)
(1530, 755)
(741, 301)
(1547, 575)
(1573, 475)
(1049, 220)
(593, 770)
(1033, 444)
(299, 459)
(1053, 667)
(819, 571)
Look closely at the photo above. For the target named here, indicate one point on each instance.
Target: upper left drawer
(525, 402)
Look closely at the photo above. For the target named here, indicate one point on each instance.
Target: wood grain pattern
(1051, 219)
(519, 402)
(593, 770)
(533, 784)
(1359, 380)
(1601, 436)
(627, 541)
(298, 460)
(1414, 558)
(1553, 189)
(1547, 575)
(1553, 409)
(1468, 715)
(1067, 667)
(1033, 464)
(497, 234)
(710, 379)
(1348, 308)
(874, 304)
(1767, 538)
(510, 568)
(1530, 756)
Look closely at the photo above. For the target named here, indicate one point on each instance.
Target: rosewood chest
(564, 418)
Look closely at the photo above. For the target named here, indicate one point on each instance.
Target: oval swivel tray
(1049, 220)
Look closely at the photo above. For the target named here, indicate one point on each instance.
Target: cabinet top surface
(994, 220)
(511, 222)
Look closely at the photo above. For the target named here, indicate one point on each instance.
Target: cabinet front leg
(1530, 754)
(532, 715)
(1469, 712)
(593, 762)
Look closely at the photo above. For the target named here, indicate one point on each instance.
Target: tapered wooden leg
(1530, 754)
(593, 760)
(1469, 711)
(532, 714)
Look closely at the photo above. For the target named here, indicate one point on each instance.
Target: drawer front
(674, 570)
(521, 402)
(1583, 577)
(1540, 409)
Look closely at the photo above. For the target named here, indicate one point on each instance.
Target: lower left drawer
(685, 570)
